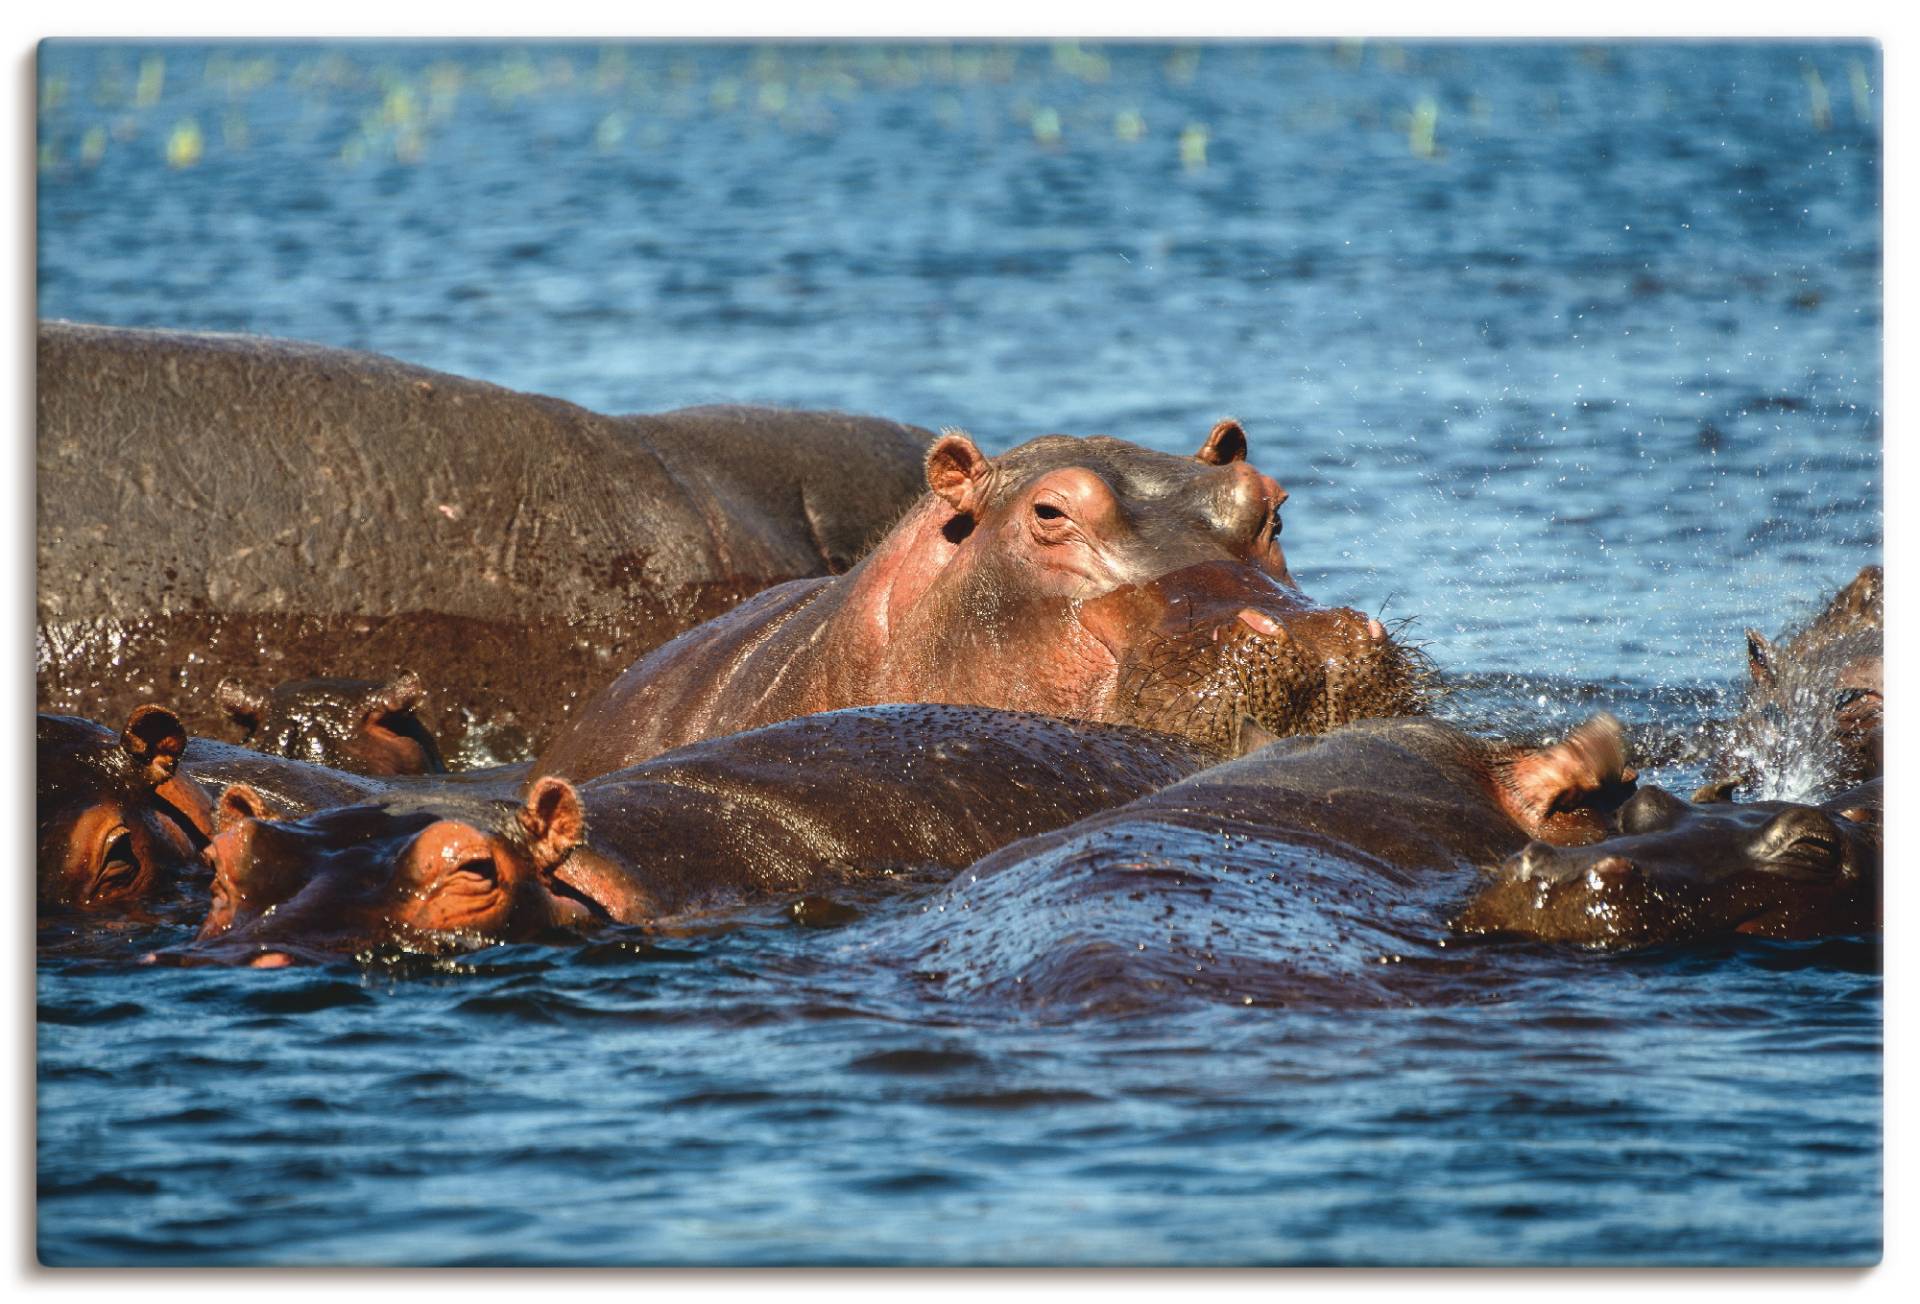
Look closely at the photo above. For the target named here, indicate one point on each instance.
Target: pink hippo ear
(244, 708)
(239, 802)
(958, 471)
(1589, 763)
(1759, 659)
(155, 739)
(1227, 443)
(553, 821)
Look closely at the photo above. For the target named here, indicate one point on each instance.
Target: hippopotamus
(1316, 868)
(122, 817)
(1810, 721)
(231, 507)
(117, 825)
(1682, 871)
(794, 808)
(1081, 577)
(361, 725)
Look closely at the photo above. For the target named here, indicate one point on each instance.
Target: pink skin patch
(1260, 622)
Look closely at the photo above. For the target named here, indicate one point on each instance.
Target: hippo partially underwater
(1084, 578)
(1354, 867)
(123, 816)
(1680, 871)
(361, 725)
(226, 506)
(1810, 720)
(787, 809)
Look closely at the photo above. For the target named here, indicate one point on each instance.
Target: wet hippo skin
(1811, 719)
(1085, 578)
(122, 816)
(1681, 871)
(215, 506)
(1316, 869)
(351, 724)
(790, 808)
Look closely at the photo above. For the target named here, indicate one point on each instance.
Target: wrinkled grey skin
(226, 506)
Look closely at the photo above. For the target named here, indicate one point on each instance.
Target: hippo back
(220, 505)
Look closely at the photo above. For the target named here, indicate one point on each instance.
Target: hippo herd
(339, 656)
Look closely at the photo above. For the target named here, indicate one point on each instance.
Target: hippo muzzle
(1203, 648)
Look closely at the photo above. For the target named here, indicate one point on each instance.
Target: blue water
(1572, 353)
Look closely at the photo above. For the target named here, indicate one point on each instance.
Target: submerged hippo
(786, 809)
(1681, 871)
(1087, 578)
(1811, 719)
(122, 817)
(362, 725)
(1316, 869)
(224, 506)
(117, 826)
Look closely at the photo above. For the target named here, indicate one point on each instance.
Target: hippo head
(1812, 717)
(349, 724)
(1679, 871)
(421, 874)
(118, 827)
(1097, 579)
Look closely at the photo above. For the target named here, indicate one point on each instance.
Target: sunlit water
(1572, 354)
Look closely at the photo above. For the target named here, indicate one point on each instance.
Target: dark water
(1573, 353)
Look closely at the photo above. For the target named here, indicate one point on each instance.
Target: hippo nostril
(1261, 623)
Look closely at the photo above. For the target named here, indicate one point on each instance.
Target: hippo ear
(1863, 590)
(1719, 790)
(1227, 443)
(1589, 761)
(155, 739)
(242, 707)
(958, 471)
(239, 802)
(1759, 659)
(552, 820)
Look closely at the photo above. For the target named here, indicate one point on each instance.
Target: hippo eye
(1048, 512)
(1807, 852)
(1792, 843)
(119, 869)
(1275, 524)
(1846, 697)
(477, 872)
